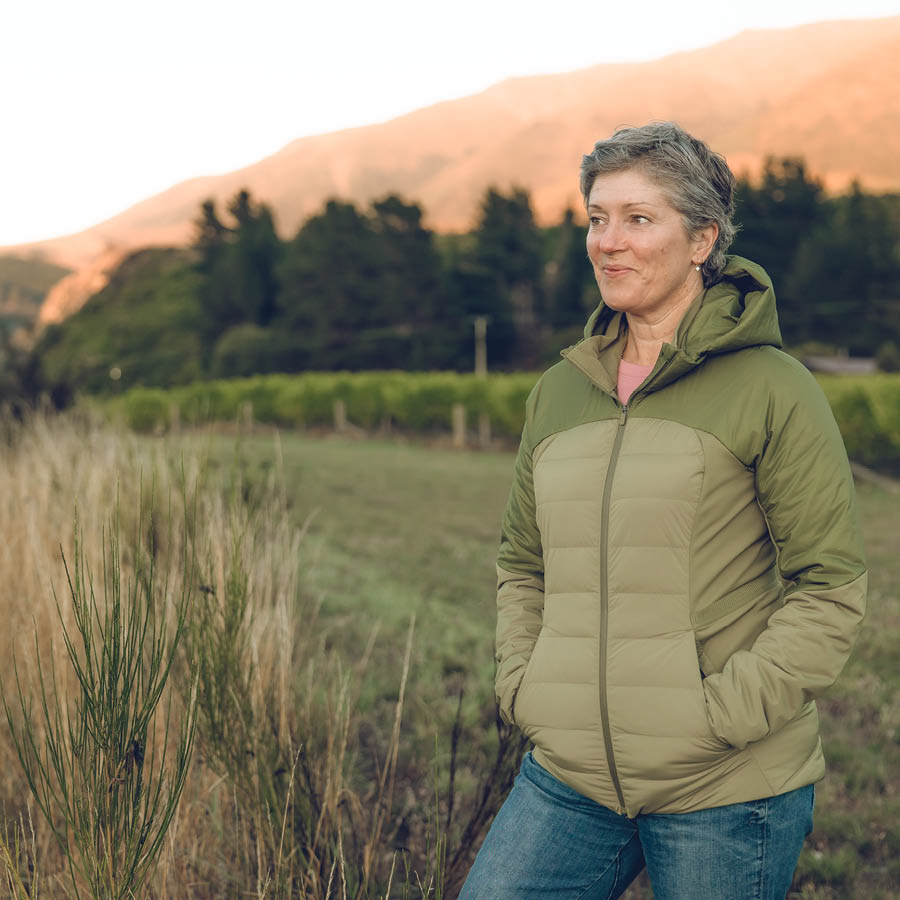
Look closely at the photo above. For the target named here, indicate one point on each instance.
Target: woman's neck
(647, 334)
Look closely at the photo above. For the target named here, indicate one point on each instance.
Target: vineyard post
(484, 421)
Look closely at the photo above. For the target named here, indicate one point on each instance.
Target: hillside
(23, 285)
(144, 320)
(826, 91)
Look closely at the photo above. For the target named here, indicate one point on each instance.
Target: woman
(681, 569)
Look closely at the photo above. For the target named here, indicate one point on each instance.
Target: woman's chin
(617, 301)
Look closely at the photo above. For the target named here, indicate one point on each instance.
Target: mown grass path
(395, 529)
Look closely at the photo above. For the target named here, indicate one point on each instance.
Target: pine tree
(573, 289)
(507, 252)
(847, 270)
(332, 287)
(239, 265)
(775, 216)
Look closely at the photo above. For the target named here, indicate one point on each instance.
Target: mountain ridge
(822, 90)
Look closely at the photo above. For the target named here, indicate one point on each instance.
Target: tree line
(371, 289)
(834, 260)
(375, 288)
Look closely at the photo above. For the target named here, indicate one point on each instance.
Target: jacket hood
(736, 312)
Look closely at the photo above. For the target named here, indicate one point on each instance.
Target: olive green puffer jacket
(679, 578)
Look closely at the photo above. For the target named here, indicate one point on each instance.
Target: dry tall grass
(274, 805)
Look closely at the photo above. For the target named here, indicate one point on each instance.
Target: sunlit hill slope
(826, 91)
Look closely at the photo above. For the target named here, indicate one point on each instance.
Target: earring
(697, 268)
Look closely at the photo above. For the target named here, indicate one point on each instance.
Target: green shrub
(100, 776)
(287, 403)
(507, 403)
(870, 403)
(319, 394)
(208, 401)
(867, 408)
(243, 350)
(261, 392)
(364, 398)
(146, 409)
(864, 437)
(430, 401)
(888, 357)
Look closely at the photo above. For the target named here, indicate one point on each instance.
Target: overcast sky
(106, 102)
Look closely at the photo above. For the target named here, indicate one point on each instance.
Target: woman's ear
(705, 240)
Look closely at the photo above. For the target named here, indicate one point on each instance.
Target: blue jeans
(549, 841)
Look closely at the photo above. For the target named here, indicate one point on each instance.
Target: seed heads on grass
(18, 853)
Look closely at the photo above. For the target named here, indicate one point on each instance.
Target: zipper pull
(623, 415)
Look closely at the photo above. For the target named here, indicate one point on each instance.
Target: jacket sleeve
(806, 491)
(520, 583)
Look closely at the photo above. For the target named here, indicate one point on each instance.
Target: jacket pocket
(702, 673)
(517, 696)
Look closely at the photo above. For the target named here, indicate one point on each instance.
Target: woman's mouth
(615, 271)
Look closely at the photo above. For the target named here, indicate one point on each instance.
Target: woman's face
(644, 260)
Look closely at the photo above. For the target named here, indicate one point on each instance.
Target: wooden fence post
(484, 430)
(340, 416)
(484, 420)
(459, 426)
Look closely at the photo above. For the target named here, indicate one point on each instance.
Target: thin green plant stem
(93, 761)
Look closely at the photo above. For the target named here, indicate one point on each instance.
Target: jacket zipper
(604, 573)
(604, 605)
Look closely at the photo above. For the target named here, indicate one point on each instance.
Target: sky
(106, 102)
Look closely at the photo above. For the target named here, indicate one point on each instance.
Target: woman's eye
(595, 220)
(640, 220)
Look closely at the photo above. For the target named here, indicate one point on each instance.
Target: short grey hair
(696, 181)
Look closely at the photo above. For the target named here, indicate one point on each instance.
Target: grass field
(383, 533)
(396, 529)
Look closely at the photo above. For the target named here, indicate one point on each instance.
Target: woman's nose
(605, 239)
(609, 239)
